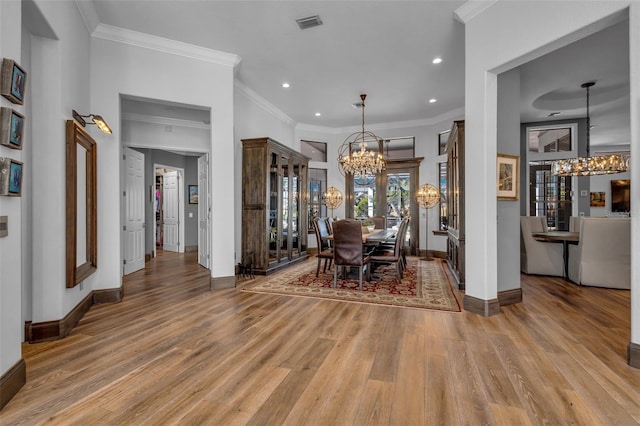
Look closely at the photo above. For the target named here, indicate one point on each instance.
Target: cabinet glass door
(272, 186)
(285, 216)
(295, 209)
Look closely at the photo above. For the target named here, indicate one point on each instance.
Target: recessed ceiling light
(436, 60)
(286, 85)
(318, 114)
(554, 114)
(432, 100)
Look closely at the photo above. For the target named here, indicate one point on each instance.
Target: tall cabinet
(455, 202)
(274, 218)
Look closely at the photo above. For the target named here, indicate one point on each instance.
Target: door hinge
(124, 227)
(124, 261)
(124, 157)
(124, 193)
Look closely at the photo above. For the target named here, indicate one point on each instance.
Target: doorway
(169, 209)
(388, 194)
(550, 196)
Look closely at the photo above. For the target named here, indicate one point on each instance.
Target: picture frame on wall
(597, 199)
(193, 194)
(10, 177)
(508, 177)
(13, 82)
(11, 128)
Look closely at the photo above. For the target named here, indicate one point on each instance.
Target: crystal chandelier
(428, 196)
(590, 165)
(332, 198)
(360, 162)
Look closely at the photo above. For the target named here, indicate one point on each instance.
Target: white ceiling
(384, 49)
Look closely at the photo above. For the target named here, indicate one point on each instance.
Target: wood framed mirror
(81, 203)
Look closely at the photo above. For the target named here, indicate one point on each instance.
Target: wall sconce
(97, 120)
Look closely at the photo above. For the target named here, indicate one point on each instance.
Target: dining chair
(395, 256)
(329, 221)
(538, 257)
(324, 251)
(379, 221)
(348, 249)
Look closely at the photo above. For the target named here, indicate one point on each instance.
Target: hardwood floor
(174, 352)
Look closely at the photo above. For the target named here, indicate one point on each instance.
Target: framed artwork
(11, 128)
(193, 194)
(10, 177)
(597, 199)
(507, 177)
(14, 81)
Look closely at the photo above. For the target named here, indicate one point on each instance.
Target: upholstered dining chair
(379, 221)
(324, 251)
(348, 248)
(396, 254)
(538, 257)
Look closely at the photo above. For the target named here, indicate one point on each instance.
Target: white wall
(489, 52)
(508, 211)
(136, 68)
(60, 79)
(11, 245)
(155, 136)
(603, 184)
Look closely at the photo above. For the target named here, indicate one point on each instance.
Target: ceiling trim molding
(447, 116)
(253, 96)
(471, 9)
(165, 45)
(164, 121)
(88, 14)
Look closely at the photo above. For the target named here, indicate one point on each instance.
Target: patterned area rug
(424, 285)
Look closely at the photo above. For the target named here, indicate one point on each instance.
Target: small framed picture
(14, 81)
(193, 194)
(10, 177)
(597, 199)
(11, 128)
(507, 177)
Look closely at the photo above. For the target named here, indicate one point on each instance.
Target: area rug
(424, 285)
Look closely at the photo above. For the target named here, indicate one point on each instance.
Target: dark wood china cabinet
(455, 203)
(274, 180)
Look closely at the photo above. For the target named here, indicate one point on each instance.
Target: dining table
(564, 237)
(374, 237)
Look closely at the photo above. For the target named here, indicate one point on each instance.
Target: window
(364, 196)
(399, 148)
(316, 151)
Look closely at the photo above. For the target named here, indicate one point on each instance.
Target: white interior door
(134, 211)
(170, 207)
(204, 210)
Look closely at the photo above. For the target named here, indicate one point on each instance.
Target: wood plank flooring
(173, 352)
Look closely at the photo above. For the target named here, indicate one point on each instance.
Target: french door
(390, 194)
(550, 196)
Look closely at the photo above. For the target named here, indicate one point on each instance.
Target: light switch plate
(584, 193)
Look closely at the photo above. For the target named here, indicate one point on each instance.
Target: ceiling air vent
(309, 22)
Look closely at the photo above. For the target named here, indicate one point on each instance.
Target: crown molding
(88, 14)
(263, 103)
(447, 116)
(471, 9)
(165, 45)
(164, 121)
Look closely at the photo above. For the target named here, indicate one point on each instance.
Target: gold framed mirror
(81, 203)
